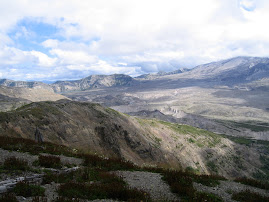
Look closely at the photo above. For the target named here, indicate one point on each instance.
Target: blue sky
(57, 40)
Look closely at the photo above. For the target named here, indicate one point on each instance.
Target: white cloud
(12, 56)
(119, 36)
(248, 5)
(73, 57)
(43, 59)
(50, 43)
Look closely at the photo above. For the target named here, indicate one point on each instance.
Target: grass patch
(213, 140)
(108, 163)
(112, 111)
(256, 126)
(104, 185)
(203, 196)
(208, 180)
(111, 190)
(38, 110)
(28, 190)
(239, 140)
(252, 182)
(264, 174)
(85, 174)
(64, 199)
(8, 197)
(191, 140)
(248, 196)
(180, 183)
(13, 163)
(40, 199)
(27, 145)
(49, 161)
(212, 166)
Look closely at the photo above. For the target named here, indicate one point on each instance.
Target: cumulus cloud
(43, 59)
(132, 37)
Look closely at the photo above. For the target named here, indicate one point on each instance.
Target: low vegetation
(49, 161)
(108, 164)
(193, 134)
(27, 145)
(202, 197)
(13, 163)
(65, 199)
(248, 196)
(112, 190)
(8, 197)
(95, 181)
(239, 140)
(256, 126)
(252, 182)
(181, 183)
(27, 190)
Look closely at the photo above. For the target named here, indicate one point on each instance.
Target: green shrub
(27, 145)
(13, 163)
(81, 175)
(49, 161)
(108, 164)
(180, 183)
(208, 180)
(111, 190)
(27, 190)
(64, 199)
(212, 166)
(109, 186)
(252, 182)
(248, 196)
(209, 197)
(8, 197)
(39, 199)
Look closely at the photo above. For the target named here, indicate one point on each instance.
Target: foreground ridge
(97, 173)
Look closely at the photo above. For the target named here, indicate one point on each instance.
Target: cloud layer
(51, 40)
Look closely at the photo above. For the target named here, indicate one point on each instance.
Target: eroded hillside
(94, 128)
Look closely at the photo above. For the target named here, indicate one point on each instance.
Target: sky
(49, 40)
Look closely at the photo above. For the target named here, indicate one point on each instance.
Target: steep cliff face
(94, 128)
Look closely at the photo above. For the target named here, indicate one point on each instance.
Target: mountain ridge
(92, 127)
(241, 69)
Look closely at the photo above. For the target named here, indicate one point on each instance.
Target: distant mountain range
(90, 82)
(93, 81)
(239, 69)
(227, 97)
(233, 89)
(162, 73)
(231, 71)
